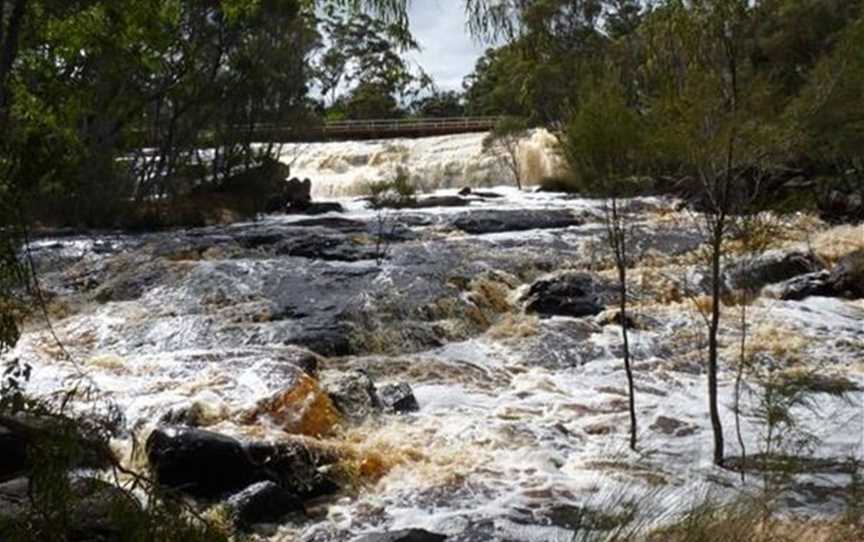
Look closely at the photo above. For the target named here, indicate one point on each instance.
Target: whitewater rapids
(339, 169)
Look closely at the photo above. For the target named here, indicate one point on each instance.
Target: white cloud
(448, 50)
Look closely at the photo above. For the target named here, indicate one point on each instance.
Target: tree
(440, 104)
(717, 118)
(505, 141)
(492, 88)
(366, 61)
(604, 145)
(368, 101)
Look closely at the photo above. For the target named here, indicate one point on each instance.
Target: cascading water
(345, 168)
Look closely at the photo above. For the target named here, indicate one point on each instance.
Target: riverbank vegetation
(778, 77)
(738, 107)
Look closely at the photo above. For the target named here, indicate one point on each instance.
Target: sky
(449, 52)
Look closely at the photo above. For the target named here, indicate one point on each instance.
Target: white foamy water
(500, 437)
(345, 168)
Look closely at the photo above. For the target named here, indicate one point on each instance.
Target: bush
(396, 194)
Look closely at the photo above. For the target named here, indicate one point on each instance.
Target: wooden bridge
(345, 130)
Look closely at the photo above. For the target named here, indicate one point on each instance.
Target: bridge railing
(348, 127)
(361, 129)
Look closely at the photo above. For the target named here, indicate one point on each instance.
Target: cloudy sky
(448, 52)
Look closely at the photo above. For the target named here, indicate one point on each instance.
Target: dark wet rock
(13, 453)
(486, 194)
(264, 502)
(398, 398)
(293, 193)
(408, 535)
(440, 201)
(209, 465)
(333, 223)
(96, 510)
(580, 518)
(99, 510)
(325, 247)
(132, 279)
(199, 463)
(665, 239)
(353, 393)
(560, 344)
(14, 499)
(565, 294)
(21, 435)
(672, 427)
(484, 221)
(798, 288)
(847, 277)
(316, 208)
(769, 268)
(842, 206)
(188, 415)
(634, 321)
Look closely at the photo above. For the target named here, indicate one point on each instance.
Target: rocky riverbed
(454, 369)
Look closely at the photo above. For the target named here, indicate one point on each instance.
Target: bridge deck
(373, 129)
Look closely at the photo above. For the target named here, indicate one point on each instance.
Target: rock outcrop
(209, 465)
(769, 268)
(565, 294)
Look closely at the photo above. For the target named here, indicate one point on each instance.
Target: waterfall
(345, 168)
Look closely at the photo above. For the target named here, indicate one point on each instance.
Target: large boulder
(209, 465)
(769, 268)
(565, 294)
(200, 463)
(845, 280)
(804, 286)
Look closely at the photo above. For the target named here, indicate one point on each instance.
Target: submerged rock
(408, 535)
(353, 393)
(264, 502)
(498, 221)
(566, 294)
(398, 398)
(440, 201)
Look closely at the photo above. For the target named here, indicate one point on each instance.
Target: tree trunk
(618, 242)
(622, 276)
(9, 36)
(713, 332)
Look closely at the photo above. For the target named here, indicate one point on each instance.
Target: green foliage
(606, 141)
(365, 60)
(395, 194)
(440, 105)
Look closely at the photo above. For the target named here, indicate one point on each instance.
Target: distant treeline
(664, 86)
